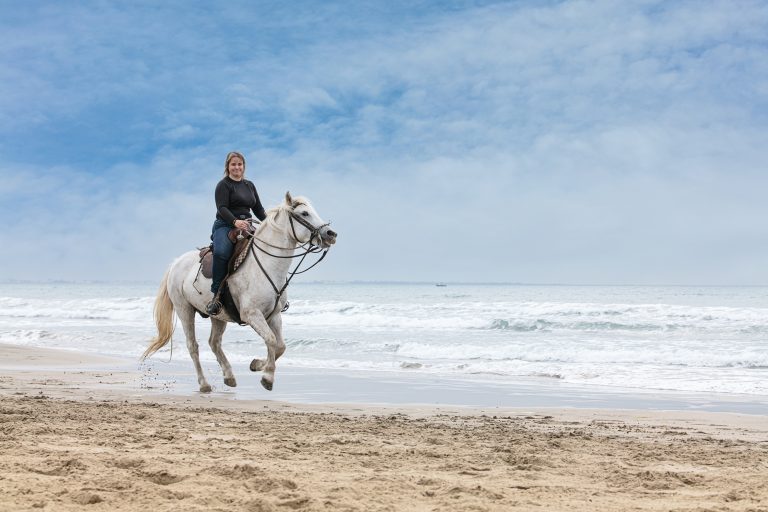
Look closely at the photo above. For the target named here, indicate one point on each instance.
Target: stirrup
(213, 308)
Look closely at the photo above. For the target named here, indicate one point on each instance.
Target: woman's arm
(258, 209)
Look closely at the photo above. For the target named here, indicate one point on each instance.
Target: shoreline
(75, 371)
(76, 376)
(92, 430)
(314, 386)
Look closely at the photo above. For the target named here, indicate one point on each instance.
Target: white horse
(255, 287)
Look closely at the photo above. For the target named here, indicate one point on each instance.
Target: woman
(236, 197)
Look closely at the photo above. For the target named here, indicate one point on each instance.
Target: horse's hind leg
(187, 317)
(217, 330)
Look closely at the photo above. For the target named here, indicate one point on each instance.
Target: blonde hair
(230, 156)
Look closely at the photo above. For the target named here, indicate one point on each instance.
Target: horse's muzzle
(328, 237)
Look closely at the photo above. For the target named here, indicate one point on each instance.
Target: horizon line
(387, 282)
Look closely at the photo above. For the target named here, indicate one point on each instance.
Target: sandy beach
(90, 432)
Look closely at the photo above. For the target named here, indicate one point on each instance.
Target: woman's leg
(222, 251)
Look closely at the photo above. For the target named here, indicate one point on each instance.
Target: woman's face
(236, 168)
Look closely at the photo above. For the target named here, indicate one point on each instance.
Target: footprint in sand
(163, 477)
(128, 463)
(86, 498)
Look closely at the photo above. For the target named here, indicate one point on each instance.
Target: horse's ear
(288, 199)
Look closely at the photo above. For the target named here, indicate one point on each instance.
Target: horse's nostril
(331, 233)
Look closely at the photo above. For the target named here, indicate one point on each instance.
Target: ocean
(644, 338)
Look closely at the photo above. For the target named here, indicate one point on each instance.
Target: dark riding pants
(222, 251)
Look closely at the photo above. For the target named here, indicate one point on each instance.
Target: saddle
(241, 245)
(241, 240)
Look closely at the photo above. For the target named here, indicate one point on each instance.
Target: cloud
(575, 141)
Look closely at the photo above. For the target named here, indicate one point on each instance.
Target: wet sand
(93, 432)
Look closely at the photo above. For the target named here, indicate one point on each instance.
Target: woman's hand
(242, 224)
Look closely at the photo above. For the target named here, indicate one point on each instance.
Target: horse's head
(307, 225)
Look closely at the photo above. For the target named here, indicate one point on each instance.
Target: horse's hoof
(257, 365)
(205, 389)
(267, 384)
(231, 382)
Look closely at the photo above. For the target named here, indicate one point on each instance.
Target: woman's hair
(230, 156)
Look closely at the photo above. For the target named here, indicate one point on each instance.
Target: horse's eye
(305, 214)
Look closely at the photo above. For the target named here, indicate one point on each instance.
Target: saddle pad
(206, 258)
(229, 305)
(206, 262)
(238, 255)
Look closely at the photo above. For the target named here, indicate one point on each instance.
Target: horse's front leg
(276, 324)
(217, 331)
(256, 320)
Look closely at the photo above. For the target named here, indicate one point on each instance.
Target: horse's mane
(273, 213)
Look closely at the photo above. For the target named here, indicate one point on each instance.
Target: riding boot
(213, 308)
(219, 273)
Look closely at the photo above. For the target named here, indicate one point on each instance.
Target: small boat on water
(440, 284)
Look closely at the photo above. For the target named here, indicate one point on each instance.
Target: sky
(579, 142)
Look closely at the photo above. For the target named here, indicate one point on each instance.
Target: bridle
(313, 231)
(308, 246)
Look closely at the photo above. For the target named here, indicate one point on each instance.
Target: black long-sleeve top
(236, 199)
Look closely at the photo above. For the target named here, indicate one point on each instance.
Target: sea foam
(675, 338)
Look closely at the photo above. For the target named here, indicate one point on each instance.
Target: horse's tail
(163, 319)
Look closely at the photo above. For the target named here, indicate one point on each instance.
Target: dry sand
(75, 439)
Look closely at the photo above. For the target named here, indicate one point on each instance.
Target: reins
(309, 247)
